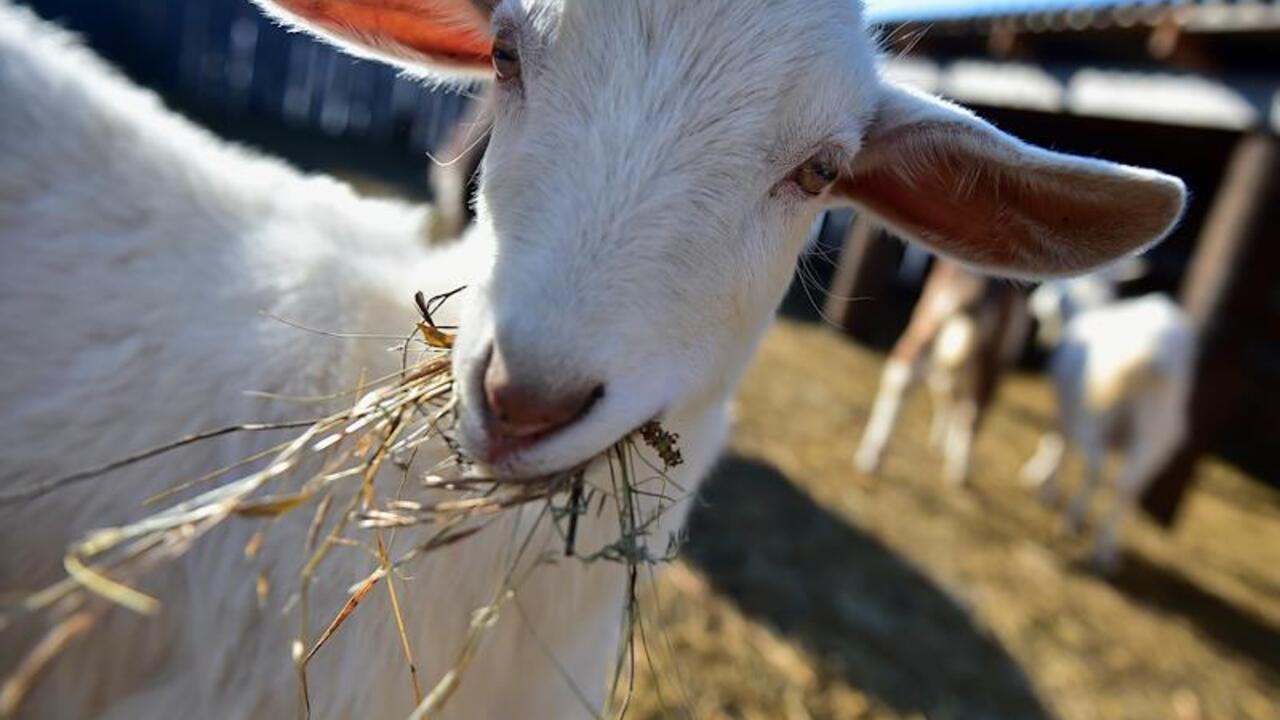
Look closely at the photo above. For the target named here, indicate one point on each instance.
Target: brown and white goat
(962, 333)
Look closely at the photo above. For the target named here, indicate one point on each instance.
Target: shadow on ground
(1230, 627)
(853, 604)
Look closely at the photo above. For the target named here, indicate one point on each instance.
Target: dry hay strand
(339, 458)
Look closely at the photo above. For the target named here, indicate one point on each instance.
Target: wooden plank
(865, 270)
(1218, 292)
(1237, 210)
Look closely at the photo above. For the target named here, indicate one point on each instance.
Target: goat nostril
(523, 410)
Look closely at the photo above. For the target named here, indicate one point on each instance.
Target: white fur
(636, 227)
(952, 378)
(895, 380)
(136, 255)
(1123, 372)
(949, 366)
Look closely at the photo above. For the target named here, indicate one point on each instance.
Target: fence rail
(224, 57)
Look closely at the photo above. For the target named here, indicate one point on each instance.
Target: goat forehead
(709, 22)
(712, 88)
(700, 64)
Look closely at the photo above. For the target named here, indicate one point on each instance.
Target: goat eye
(506, 58)
(816, 175)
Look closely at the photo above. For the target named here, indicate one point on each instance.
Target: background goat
(1123, 371)
(454, 177)
(653, 169)
(963, 332)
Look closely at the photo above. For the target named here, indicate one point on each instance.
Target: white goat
(963, 331)
(653, 169)
(1123, 372)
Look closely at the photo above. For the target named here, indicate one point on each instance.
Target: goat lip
(507, 457)
(502, 448)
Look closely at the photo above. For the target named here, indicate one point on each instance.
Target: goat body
(1123, 373)
(960, 337)
(142, 266)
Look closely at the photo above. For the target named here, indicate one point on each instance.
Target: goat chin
(143, 264)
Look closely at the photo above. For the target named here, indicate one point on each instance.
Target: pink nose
(522, 409)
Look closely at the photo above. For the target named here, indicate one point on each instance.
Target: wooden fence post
(866, 268)
(1225, 277)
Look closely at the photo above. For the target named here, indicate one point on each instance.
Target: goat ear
(447, 40)
(950, 181)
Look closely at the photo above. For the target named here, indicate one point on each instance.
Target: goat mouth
(501, 452)
(520, 460)
(563, 449)
(501, 448)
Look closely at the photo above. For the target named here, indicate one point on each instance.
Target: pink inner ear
(965, 195)
(448, 32)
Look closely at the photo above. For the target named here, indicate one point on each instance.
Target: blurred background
(809, 589)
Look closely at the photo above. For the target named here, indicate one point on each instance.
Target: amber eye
(815, 175)
(506, 58)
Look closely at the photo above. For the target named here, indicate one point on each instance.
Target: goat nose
(520, 409)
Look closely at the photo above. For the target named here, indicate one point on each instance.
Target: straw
(345, 455)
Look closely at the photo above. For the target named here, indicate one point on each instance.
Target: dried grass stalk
(342, 453)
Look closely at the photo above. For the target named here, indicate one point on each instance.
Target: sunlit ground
(808, 591)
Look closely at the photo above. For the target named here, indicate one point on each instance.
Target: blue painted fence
(223, 57)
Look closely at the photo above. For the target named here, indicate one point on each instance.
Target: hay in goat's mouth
(338, 468)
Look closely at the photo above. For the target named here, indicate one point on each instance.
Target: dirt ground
(809, 591)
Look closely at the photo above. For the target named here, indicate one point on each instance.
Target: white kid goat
(654, 168)
(1123, 371)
